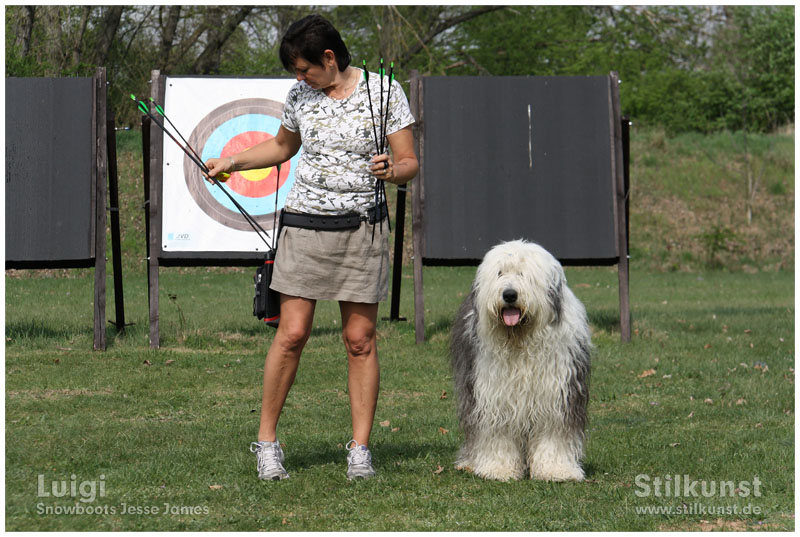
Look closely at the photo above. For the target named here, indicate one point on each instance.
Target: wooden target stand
(56, 217)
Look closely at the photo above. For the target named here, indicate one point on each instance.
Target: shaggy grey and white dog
(520, 351)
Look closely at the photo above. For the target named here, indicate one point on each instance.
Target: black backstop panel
(56, 167)
(535, 158)
(50, 171)
(518, 157)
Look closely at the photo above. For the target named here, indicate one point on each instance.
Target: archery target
(221, 117)
(227, 130)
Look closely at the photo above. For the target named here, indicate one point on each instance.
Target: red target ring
(231, 128)
(253, 183)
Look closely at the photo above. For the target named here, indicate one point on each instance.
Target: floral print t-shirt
(333, 176)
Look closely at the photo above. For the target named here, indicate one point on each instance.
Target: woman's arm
(268, 153)
(403, 166)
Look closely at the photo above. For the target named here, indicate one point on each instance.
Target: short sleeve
(399, 113)
(289, 119)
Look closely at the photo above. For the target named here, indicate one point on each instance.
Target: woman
(328, 112)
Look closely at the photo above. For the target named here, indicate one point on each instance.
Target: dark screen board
(518, 157)
(57, 151)
(49, 170)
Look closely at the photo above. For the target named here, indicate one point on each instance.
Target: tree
(414, 37)
(754, 49)
(168, 24)
(683, 67)
(108, 26)
(219, 29)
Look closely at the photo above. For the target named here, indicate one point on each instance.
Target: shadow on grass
(317, 454)
(607, 320)
(39, 331)
(591, 470)
(35, 329)
(442, 325)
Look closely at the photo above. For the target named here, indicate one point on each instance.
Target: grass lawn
(705, 391)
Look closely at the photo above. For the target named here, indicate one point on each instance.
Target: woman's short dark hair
(309, 38)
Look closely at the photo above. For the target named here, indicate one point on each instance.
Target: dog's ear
(555, 295)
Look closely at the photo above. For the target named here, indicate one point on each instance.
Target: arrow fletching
(160, 110)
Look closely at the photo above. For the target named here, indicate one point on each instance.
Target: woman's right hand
(217, 166)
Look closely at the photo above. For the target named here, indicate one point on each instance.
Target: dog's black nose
(510, 296)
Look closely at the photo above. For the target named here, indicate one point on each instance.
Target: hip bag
(336, 222)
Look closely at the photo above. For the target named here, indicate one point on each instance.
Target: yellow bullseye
(256, 175)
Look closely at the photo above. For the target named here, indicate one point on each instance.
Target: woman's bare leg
(283, 357)
(363, 380)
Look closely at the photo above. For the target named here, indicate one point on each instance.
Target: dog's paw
(558, 472)
(498, 473)
(464, 466)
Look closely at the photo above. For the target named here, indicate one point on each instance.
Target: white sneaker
(270, 460)
(359, 461)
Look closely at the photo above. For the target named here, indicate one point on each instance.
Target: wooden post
(626, 166)
(397, 267)
(621, 197)
(116, 246)
(146, 205)
(418, 206)
(100, 136)
(154, 206)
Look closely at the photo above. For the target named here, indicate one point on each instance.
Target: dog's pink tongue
(511, 316)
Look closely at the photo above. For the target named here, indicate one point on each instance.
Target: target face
(229, 129)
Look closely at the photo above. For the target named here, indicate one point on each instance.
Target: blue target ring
(234, 127)
(213, 149)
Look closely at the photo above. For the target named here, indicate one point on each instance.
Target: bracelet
(233, 164)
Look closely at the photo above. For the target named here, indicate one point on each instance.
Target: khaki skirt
(333, 265)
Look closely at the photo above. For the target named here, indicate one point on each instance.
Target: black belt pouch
(266, 302)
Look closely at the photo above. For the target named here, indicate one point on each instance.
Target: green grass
(683, 188)
(173, 426)
(705, 389)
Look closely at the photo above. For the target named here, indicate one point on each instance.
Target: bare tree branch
(135, 32)
(209, 59)
(186, 45)
(168, 32)
(110, 25)
(441, 27)
(27, 29)
(51, 21)
(77, 49)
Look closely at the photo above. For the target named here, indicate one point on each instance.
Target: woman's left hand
(382, 167)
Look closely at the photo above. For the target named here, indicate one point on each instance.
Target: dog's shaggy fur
(520, 351)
